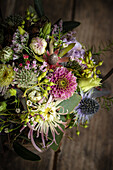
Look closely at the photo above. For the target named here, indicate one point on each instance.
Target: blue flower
(87, 107)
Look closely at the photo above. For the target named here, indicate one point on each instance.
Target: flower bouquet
(48, 81)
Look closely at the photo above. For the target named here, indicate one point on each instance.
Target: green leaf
(39, 8)
(25, 153)
(47, 28)
(70, 103)
(69, 25)
(58, 137)
(40, 59)
(65, 50)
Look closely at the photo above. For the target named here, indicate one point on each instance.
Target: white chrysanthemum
(43, 118)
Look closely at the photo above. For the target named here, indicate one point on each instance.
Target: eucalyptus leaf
(25, 153)
(65, 50)
(70, 25)
(70, 103)
(39, 7)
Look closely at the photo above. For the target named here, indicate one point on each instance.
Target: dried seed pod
(53, 59)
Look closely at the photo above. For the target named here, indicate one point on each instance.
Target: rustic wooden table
(93, 149)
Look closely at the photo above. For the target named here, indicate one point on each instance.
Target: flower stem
(107, 75)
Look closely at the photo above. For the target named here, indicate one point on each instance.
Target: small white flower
(29, 103)
(35, 96)
(17, 110)
(6, 130)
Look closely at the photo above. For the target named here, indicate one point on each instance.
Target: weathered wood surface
(93, 149)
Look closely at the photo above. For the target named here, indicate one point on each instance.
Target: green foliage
(74, 67)
(70, 103)
(103, 48)
(25, 153)
(39, 8)
(65, 50)
(69, 25)
(106, 102)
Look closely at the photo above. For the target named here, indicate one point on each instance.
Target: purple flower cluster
(19, 42)
(77, 52)
(57, 28)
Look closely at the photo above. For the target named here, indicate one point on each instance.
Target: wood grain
(93, 149)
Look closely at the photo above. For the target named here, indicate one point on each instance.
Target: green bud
(28, 12)
(39, 78)
(85, 126)
(100, 63)
(52, 84)
(28, 18)
(45, 94)
(94, 69)
(98, 72)
(23, 22)
(89, 65)
(46, 80)
(86, 70)
(95, 76)
(22, 31)
(77, 132)
(87, 59)
(90, 54)
(27, 120)
(91, 62)
(89, 75)
(22, 26)
(48, 88)
(32, 14)
(43, 74)
(83, 62)
(35, 20)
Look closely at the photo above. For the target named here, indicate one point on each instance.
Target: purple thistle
(87, 107)
(65, 83)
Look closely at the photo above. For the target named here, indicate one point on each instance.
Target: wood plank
(93, 149)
